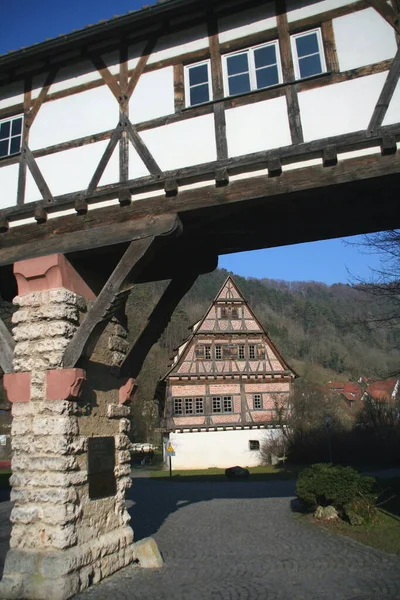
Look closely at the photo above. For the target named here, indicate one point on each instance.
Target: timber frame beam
(114, 293)
(156, 323)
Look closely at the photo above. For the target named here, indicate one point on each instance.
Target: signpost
(170, 452)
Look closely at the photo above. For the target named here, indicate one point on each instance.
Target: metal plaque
(101, 464)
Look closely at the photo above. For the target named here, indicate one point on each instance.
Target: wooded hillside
(324, 332)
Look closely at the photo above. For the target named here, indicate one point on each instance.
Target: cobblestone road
(241, 541)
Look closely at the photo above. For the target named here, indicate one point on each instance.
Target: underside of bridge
(271, 208)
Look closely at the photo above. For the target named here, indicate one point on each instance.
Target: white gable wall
(207, 449)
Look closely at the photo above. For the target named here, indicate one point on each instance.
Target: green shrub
(360, 511)
(323, 485)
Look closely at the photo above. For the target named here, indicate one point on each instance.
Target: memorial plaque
(101, 464)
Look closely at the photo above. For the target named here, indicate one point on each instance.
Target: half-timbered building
(225, 388)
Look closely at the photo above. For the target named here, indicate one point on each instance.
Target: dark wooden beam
(140, 67)
(296, 130)
(30, 117)
(156, 323)
(142, 149)
(331, 57)
(129, 267)
(386, 95)
(27, 156)
(116, 136)
(107, 76)
(217, 86)
(179, 88)
(7, 345)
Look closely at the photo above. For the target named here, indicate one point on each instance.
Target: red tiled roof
(381, 390)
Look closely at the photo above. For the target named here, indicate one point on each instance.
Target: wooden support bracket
(274, 167)
(329, 156)
(7, 345)
(128, 269)
(388, 145)
(221, 177)
(156, 323)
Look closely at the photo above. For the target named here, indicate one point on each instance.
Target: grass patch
(265, 473)
(384, 532)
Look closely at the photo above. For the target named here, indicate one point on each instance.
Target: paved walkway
(238, 541)
(241, 541)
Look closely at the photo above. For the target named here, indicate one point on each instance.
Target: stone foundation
(62, 540)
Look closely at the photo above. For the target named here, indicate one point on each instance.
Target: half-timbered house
(226, 384)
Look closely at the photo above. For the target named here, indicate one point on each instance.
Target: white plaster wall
(340, 108)
(153, 96)
(74, 75)
(175, 44)
(206, 449)
(182, 144)
(301, 9)
(11, 94)
(257, 126)
(134, 54)
(238, 25)
(73, 117)
(8, 185)
(393, 112)
(71, 170)
(363, 38)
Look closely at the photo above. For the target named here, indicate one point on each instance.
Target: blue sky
(25, 22)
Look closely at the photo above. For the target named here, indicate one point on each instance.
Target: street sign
(170, 450)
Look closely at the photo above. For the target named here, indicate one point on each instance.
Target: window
(224, 312)
(257, 404)
(188, 406)
(218, 352)
(216, 404)
(10, 136)
(308, 54)
(228, 404)
(207, 352)
(252, 69)
(224, 404)
(197, 83)
(229, 312)
(241, 352)
(199, 406)
(254, 445)
(178, 410)
(252, 352)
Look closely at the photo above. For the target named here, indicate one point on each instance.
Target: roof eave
(91, 33)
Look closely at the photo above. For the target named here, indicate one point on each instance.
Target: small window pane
(307, 44)
(254, 444)
(241, 352)
(216, 405)
(311, 65)
(16, 127)
(239, 63)
(5, 130)
(252, 352)
(228, 405)
(15, 145)
(3, 148)
(199, 406)
(265, 56)
(207, 350)
(188, 406)
(266, 77)
(239, 84)
(257, 402)
(178, 406)
(198, 75)
(199, 94)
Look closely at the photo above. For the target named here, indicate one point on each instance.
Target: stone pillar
(68, 532)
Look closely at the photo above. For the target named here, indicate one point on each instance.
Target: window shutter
(260, 351)
(234, 349)
(200, 351)
(226, 351)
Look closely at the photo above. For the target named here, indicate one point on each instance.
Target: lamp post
(328, 424)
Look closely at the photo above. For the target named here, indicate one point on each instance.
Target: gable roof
(230, 295)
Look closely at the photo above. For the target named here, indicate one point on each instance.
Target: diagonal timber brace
(156, 323)
(386, 95)
(133, 261)
(6, 348)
